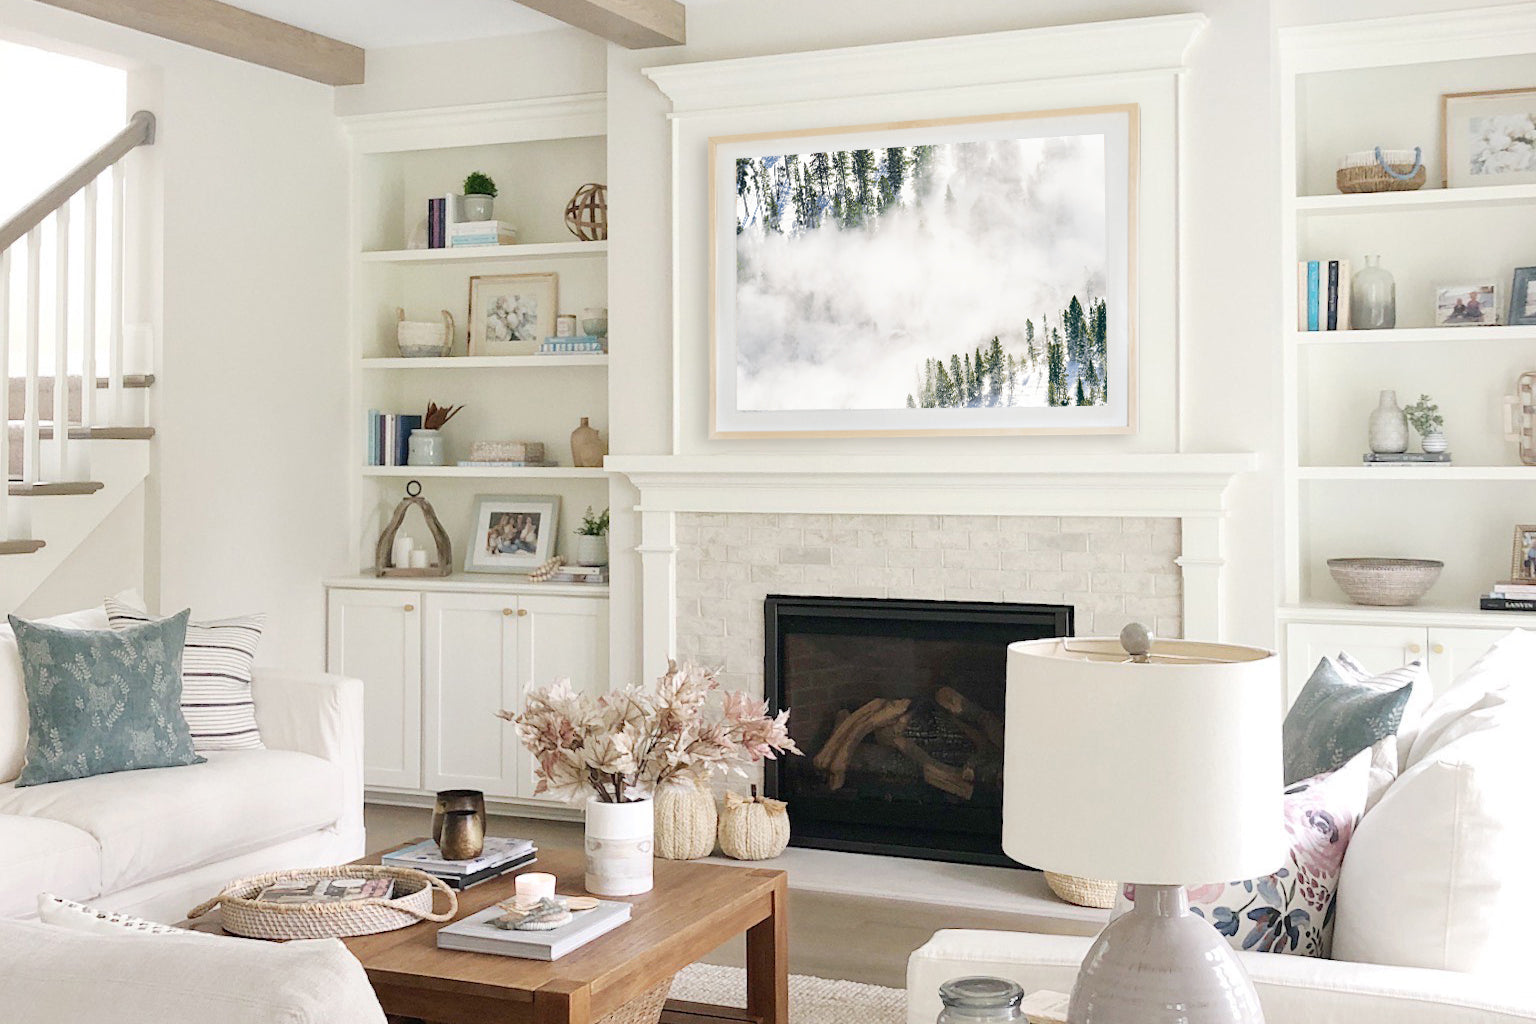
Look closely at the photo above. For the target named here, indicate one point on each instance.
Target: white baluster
(61, 344)
(30, 450)
(115, 351)
(5, 391)
(88, 326)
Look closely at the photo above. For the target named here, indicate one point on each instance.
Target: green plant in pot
(479, 196)
(1424, 416)
(592, 538)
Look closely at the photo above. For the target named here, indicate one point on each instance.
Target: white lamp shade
(1165, 773)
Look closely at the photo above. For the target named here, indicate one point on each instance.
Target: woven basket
(1381, 170)
(245, 915)
(1084, 892)
(643, 1009)
(1385, 581)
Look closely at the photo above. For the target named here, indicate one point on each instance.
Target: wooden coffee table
(693, 909)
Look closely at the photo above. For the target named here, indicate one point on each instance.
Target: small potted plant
(1425, 417)
(592, 539)
(479, 196)
(425, 446)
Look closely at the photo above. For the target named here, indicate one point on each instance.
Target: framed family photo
(512, 533)
(1523, 564)
(1489, 138)
(962, 276)
(511, 314)
(1522, 297)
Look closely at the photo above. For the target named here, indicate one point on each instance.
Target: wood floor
(854, 939)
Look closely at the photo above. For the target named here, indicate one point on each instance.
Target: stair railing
(28, 226)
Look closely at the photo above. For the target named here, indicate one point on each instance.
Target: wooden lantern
(384, 552)
(587, 213)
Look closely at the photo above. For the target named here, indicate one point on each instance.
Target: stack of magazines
(499, 856)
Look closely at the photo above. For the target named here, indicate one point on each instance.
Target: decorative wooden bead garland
(754, 828)
(586, 215)
(384, 551)
(686, 822)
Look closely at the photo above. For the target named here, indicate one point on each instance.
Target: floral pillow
(1291, 911)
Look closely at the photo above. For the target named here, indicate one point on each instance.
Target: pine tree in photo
(944, 394)
(1082, 399)
(821, 183)
(1013, 379)
(1056, 370)
(842, 189)
(997, 381)
(968, 388)
(866, 182)
(922, 171)
(1029, 342)
(743, 193)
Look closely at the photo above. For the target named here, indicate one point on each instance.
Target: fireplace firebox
(898, 708)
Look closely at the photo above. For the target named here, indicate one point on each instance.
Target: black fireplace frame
(777, 607)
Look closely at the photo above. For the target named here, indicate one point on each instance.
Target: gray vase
(1389, 427)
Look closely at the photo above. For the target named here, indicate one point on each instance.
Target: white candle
(402, 551)
(419, 558)
(533, 886)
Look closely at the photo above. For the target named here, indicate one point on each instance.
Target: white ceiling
(379, 23)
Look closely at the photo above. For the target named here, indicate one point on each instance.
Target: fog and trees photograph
(968, 274)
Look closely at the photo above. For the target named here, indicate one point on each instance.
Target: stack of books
(477, 934)
(565, 346)
(1406, 458)
(1510, 596)
(1322, 295)
(447, 226)
(578, 574)
(388, 437)
(499, 856)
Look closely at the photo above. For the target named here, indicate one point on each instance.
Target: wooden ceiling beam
(220, 28)
(632, 24)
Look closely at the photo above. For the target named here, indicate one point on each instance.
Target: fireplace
(898, 707)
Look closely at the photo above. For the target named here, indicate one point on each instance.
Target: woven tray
(245, 915)
(1379, 170)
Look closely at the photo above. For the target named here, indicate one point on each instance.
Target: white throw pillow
(63, 913)
(1477, 700)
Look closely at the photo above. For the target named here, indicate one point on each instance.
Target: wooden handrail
(140, 131)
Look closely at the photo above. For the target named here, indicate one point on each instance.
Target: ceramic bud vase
(620, 843)
(1434, 442)
(1389, 427)
(1373, 298)
(426, 448)
(587, 446)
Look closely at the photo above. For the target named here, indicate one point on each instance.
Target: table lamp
(1156, 763)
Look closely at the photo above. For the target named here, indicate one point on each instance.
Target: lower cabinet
(1447, 651)
(447, 666)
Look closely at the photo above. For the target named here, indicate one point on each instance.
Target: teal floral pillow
(1337, 716)
(101, 700)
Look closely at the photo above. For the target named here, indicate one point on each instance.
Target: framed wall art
(963, 276)
(1523, 563)
(512, 533)
(1474, 304)
(1489, 138)
(1522, 297)
(511, 314)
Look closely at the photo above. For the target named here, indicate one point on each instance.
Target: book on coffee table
(500, 855)
(476, 934)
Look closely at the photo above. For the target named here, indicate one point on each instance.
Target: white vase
(591, 549)
(1388, 426)
(620, 845)
(426, 448)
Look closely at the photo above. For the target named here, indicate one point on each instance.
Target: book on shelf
(579, 343)
(453, 213)
(437, 229)
(476, 933)
(1501, 603)
(510, 463)
(328, 890)
(482, 232)
(559, 576)
(1405, 458)
(584, 570)
(389, 437)
(1515, 588)
(425, 856)
(1322, 295)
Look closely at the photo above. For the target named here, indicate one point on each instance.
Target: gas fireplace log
(833, 757)
(959, 782)
(967, 710)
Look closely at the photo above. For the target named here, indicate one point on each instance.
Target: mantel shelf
(487, 362)
(494, 472)
(1410, 615)
(1429, 472)
(489, 253)
(1414, 335)
(1422, 199)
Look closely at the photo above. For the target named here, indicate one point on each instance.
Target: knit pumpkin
(685, 822)
(753, 828)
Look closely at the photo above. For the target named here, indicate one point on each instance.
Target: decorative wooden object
(587, 213)
(382, 553)
(1520, 417)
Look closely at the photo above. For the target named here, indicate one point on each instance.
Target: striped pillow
(215, 677)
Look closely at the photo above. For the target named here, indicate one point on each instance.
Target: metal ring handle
(417, 492)
(1418, 164)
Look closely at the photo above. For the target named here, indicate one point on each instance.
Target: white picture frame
(773, 375)
(1489, 138)
(1475, 304)
(525, 530)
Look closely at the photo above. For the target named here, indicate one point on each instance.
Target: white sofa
(157, 842)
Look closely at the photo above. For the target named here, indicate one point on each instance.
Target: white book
(476, 934)
(482, 227)
(453, 212)
(425, 856)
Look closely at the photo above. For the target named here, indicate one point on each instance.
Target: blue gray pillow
(1335, 717)
(102, 700)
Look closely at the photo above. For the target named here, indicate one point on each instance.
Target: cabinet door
(1452, 651)
(375, 636)
(1378, 648)
(561, 637)
(470, 672)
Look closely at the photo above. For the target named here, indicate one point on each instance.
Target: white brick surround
(1111, 569)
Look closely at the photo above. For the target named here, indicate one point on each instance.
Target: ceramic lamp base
(1160, 964)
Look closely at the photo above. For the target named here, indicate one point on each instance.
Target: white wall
(247, 502)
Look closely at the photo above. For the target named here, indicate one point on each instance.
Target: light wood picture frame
(965, 276)
(1522, 567)
(511, 314)
(512, 533)
(1489, 137)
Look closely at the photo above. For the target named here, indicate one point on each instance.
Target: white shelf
(1423, 199)
(495, 583)
(1439, 473)
(488, 362)
(1413, 335)
(490, 472)
(484, 253)
(1409, 615)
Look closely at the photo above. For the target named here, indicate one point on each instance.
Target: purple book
(437, 229)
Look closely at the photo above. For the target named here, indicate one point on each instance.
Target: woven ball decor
(686, 820)
(587, 213)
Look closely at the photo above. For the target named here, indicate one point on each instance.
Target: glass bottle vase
(1373, 298)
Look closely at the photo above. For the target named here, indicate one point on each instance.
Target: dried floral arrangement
(623, 746)
(437, 415)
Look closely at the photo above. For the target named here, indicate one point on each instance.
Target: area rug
(811, 1000)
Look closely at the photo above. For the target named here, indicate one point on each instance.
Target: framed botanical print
(963, 276)
(511, 314)
(1489, 138)
(512, 533)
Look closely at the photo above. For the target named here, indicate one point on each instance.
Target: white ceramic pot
(591, 549)
(426, 448)
(478, 207)
(620, 845)
(1434, 442)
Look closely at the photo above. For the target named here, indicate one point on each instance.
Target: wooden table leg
(768, 961)
(562, 1002)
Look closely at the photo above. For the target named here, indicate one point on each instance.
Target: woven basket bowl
(1084, 892)
(1385, 581)
(643, 1009)
(245, 915)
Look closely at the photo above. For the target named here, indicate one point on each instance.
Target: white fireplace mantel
(1191, 487)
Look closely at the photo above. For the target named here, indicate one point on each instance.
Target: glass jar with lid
(980, 1000)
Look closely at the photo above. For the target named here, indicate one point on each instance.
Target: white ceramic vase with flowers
(616, 750)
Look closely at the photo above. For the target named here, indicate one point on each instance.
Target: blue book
(403, 437)
(1314, 280)
(373, 437)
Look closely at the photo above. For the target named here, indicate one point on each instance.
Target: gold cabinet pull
(506, 611)
(410, 607)
(522, 611)
(1414, 648)
(1437, 649)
